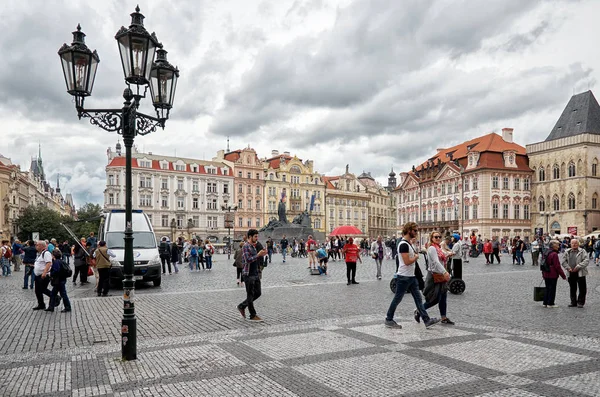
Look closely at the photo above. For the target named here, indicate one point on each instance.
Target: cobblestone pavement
(320, 338)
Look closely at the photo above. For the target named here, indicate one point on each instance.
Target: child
(322, 258)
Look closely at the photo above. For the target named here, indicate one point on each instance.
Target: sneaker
(25, 287)
(39, 308)
(392, 324)
(256, 319)
(349, 283)
(355, 282)
(65, 310)
(431, 322)
(242, 311)
(378, 277)
(573, 305)
(447, 321)
(553, 306)
(545, 306)
(580, 306)
(50, 309)
(417, 316)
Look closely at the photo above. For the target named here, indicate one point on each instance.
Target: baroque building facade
(297, 181)
(21, 189)
(382, 219)
(182, 197)
(248, 191)
(481, 186)
(566, 184)
(346, 202)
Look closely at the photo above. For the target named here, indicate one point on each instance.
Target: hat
(456, 236)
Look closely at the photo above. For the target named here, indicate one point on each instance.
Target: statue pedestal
(292, 231)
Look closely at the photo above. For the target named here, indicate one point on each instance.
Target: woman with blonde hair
(436, 283)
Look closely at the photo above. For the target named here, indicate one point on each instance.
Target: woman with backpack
(59, 273)
(193, 253)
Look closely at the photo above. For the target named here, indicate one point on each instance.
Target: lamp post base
(129, 339)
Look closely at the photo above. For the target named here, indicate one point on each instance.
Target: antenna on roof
(227, 143)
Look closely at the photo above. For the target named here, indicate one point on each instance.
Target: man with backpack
(17, 252)
(5, 258)
(164, 250)
(59, 273)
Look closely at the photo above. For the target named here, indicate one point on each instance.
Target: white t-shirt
(406, 270)
(40, 263)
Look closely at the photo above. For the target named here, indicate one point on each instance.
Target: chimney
(507, 135)
(439, 149)
(286, 153)
(274, 153)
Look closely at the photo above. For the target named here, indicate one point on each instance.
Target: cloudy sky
(372, 83)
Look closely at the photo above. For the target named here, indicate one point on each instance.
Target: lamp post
(547, 214)
(229, 225)
(137, 48)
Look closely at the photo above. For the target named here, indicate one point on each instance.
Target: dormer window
(145, 163)
(164, 165)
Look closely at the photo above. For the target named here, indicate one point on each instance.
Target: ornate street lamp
(137, 49)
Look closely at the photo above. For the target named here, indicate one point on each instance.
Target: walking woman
(193, 254)
(239, 266)
(487, 251)
(351, 253)
(436, 283)
(175, 256)
(80, 263)
(551, 276)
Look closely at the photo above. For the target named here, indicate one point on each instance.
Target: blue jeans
(193, 262)
(520, 259)
(27, 273)
(67, 258)
(284, 252)
(208, 260)
(404, 284)
(60, 288)
(5, 266)
(270, 253)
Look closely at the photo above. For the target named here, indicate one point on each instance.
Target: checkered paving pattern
(321, 358)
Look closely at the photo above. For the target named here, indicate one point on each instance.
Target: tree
(44, 221)
(88, 220)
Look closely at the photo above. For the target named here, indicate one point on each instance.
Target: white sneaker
(553, 306)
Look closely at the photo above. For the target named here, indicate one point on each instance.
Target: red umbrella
(347, 230)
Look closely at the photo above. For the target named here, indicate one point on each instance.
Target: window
(212, 222)
(517, 211)
(466, 212)
(283, 178)
(443, 213)
(180, 203)
(111, 198)
(257, 175)
(594, 202)
(258, 190)
(443, 191)
(571, 169)
(249, 189)
(164, 220)
(145, 200)
(475, 187)
(355, 215)
(239, 174)
(257, 222)
(226, 188)
(240, 206)
(240, 222)
(195, 203)
(111, 179)
(164, 201)
(541, 174)
(517, 184)
(555, 203)
(526, 211)
(466, 184)
(212, 204)
(179, 183)
(556, 171)
(164, 184)
(195, 220)
(249, 222)
(449, 188)
(505, 211)
(249, 174)
(240, 188)
(474, 208)
(194, 168)
(542, 204)
(341, 214)
(179, 167)
(257, 204)
(505, 183)
(317, 223)
(211, 187)
(594, 169)
(495, 210)
(179, 222)
(526, 184)
(145, 181)
(145, 163)
(249, 204)
(164, 166)
(195, 186)
(331, 214)
(494, 182)
(571, 201)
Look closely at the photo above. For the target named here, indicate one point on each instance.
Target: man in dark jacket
(164, 250)
(28, 261)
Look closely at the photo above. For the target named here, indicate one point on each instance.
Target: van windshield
(114, 240)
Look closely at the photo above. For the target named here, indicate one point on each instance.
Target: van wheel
(157, 282)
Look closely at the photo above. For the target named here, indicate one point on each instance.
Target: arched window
(571, 169)
(542, 174)
(556, 172)
(595, 167)
(595, 201)
(542, 204)
(571, 201)
(556, 203)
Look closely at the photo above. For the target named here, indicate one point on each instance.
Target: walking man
(406, 280)
(270, 248)
(575, 261)
(250, 272)
(377, 249)
(284, 244)
(311, 246)
(41, 269)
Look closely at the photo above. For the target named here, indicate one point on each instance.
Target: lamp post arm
(107, 119)
(146, 124)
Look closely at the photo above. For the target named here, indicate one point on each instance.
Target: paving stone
(410, 332)
(512, 380)
(512, 392)
(588, 384)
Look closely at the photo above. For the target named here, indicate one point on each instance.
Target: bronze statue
(281, 211)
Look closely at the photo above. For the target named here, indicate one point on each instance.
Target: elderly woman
(436, 283)
(575, 262)
(551, 276)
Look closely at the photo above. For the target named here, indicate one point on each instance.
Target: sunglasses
(437, 236)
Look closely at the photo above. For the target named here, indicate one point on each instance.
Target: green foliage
(48, 223)
(43, 220)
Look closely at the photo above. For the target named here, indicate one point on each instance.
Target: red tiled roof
(328, 179)
(120, 162)
(275, 162)
(233, 156)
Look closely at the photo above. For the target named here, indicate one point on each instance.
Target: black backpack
(544, 265)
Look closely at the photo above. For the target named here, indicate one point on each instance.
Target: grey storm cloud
(371, 83)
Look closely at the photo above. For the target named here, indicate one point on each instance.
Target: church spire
(58, 183)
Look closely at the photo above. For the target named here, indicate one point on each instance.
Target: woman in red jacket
(351, 253)
(551, 277)
(487, 250)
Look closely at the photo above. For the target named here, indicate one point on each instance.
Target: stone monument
(300, 228)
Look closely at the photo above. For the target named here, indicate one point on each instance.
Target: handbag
(539, 292)
(441, 278)
(90, 272)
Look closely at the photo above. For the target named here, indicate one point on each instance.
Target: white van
(146, 260)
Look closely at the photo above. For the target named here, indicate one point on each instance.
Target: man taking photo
(250, 273)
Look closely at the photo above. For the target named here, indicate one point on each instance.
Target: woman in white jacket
(436, 293)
